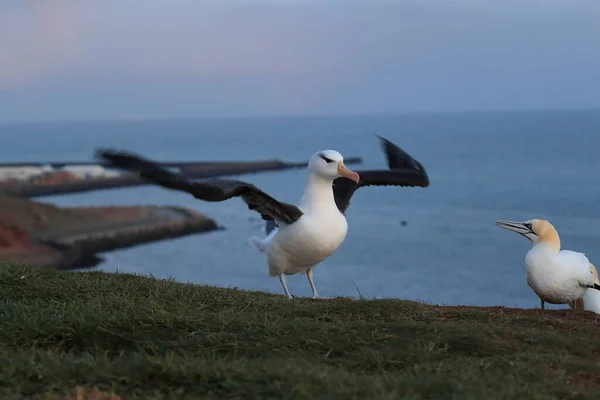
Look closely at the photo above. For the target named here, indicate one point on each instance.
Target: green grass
(154, 339)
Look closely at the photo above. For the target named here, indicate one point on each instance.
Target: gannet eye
(528, 226)
(327, 160)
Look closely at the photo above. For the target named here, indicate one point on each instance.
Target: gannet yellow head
(536, 230)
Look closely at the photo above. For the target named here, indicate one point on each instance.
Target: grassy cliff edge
(144, 338)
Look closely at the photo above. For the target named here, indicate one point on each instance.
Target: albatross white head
(323, 168)
(329, 165)
(536, 230)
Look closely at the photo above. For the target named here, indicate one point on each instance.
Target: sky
(130, 59)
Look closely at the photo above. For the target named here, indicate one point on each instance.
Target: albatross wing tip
(397, 157)
(106, 153)
(385, 143)
(99, 152)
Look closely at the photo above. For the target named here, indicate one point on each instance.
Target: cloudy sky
(90, 59)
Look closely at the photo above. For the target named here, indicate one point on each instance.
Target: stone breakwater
(163, 223)
(65, 184)
(44, 235)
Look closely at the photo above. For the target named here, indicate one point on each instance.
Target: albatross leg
(542, 303)
(285, 289)
(309, 274)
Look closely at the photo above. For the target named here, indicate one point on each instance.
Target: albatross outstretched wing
(208, 190)
(404, 171)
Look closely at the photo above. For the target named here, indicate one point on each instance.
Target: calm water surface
(482, 167)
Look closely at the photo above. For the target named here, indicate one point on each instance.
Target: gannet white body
(556, 276)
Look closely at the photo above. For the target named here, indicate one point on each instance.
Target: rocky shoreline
(44, 235)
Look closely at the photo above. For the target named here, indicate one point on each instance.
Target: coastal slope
(36, 233)
(143, 338)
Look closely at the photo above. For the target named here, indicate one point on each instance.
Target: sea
(482, 167)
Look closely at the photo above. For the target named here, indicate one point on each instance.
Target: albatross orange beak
(346, 172)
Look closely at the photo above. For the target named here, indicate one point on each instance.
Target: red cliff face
(11, 236)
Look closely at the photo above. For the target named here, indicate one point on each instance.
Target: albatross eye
(327, 160)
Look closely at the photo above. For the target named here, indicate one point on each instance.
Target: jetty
(48, 186)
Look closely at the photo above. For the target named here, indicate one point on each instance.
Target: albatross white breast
(299, 236)
(556, 276)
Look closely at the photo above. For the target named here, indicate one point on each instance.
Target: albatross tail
(258, 243)
(261, 244)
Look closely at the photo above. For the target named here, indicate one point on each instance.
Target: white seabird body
(301, 246)
(304, 244)
(556, 276)
(591, 299)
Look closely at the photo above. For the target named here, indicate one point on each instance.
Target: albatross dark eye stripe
(327, 160)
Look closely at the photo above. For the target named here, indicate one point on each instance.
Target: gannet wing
(579, 265)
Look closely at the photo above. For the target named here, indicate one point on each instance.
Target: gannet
(591, 299)
(311, 230)
(556, 276)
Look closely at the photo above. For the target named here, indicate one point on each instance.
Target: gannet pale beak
(346, 172)
(521, 228)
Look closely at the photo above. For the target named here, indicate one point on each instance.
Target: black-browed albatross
(307, 233)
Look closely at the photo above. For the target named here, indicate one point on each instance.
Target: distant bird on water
(306, 233)
(556, 276)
